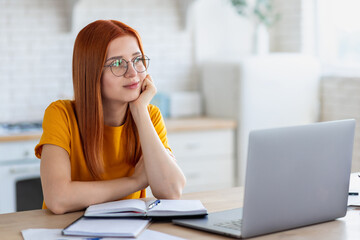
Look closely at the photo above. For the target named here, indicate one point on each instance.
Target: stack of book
(128, 218)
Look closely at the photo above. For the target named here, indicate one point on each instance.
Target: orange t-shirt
(60, 128)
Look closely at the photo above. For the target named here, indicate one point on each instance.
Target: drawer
(208, 171)
(206, 187)
(202, 143)
(10, 151)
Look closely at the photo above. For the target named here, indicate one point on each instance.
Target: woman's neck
(114, 113)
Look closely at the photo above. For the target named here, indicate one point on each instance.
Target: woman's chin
(133, 97)
(126, 98)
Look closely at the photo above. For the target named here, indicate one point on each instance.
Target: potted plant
(263, 16)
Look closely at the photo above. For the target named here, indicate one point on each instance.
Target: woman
(109, 143)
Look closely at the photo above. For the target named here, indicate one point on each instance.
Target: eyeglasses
(120, 66)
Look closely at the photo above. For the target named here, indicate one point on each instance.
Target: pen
(153, 204)
(89, 238)
(353, 194)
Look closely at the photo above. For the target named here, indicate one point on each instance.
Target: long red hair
(89, 56)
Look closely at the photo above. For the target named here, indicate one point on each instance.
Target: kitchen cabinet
(265, 91)
(19, 175)
(17, 150)
(203, 147)
(204, 150)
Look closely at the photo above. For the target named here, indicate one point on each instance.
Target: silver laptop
(295, 176)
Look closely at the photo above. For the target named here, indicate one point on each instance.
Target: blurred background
(222, 68)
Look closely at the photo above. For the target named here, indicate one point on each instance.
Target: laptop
(295, 176)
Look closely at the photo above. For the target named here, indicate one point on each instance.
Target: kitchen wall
(220, 33)
(295, 30)
(338, 95)
(37, 36)
(340, 99)
(35, 57)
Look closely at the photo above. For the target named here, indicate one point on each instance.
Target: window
(338, 36)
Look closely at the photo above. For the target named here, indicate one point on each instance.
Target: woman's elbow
(56, 204)
(173, 192)
(168, 195)
(177, 190)
(56, 207)
(175, 195)
(181, 186)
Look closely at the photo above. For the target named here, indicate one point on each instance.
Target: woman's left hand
(148, 91)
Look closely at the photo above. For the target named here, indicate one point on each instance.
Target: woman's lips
(132, 86)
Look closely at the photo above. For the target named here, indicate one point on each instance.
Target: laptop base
(211, 222)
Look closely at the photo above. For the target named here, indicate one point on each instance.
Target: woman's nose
(131, 72)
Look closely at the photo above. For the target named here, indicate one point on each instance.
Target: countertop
(172, 125)
(198, 124)
(346, 228)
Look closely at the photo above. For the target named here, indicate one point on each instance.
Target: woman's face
(127, 87)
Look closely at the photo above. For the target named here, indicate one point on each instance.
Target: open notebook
(153, 208)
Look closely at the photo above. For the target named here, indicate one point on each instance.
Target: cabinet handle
(192, 176)
(26, 153)
(17, 170)
(192, 145)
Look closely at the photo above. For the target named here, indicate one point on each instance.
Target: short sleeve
(56, 129)
(159, 125)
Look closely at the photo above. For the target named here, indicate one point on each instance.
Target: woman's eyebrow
(117, 57)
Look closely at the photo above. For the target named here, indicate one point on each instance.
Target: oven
(20, 185)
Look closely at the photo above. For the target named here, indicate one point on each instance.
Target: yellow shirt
(60, 128)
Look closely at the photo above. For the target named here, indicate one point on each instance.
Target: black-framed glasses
(119, 66)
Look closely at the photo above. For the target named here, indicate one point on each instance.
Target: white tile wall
(166, 42)
(340, 99)
(36, 41)
(295, 30)
(285, 35)
(35, 57)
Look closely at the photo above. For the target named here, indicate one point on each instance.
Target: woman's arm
(62, 195)
(164, 176)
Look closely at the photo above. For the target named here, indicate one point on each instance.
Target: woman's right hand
(140, 174)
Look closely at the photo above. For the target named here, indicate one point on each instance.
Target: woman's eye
(120, 63)
(138, 59)
(116, 63)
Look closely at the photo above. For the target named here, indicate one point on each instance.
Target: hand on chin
(148, 92)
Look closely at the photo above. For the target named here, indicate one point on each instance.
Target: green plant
(262, 12)
(240, 6)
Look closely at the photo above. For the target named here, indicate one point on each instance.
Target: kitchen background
(220, 72)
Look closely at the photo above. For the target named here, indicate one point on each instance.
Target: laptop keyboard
(233, 224)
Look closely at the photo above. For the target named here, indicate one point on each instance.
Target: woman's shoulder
(153, 108)
(154, 111)
(62, 107)
(66, 105)
(155, 115)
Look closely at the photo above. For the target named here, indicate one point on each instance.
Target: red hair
(89, 57)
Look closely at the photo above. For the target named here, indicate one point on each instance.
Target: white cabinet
(17, 150)
(206, 157)
(19, 176)
(261, 92)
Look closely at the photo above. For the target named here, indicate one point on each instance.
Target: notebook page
(55, 234)
(178, 206)
(107, 227)
(117, 206)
